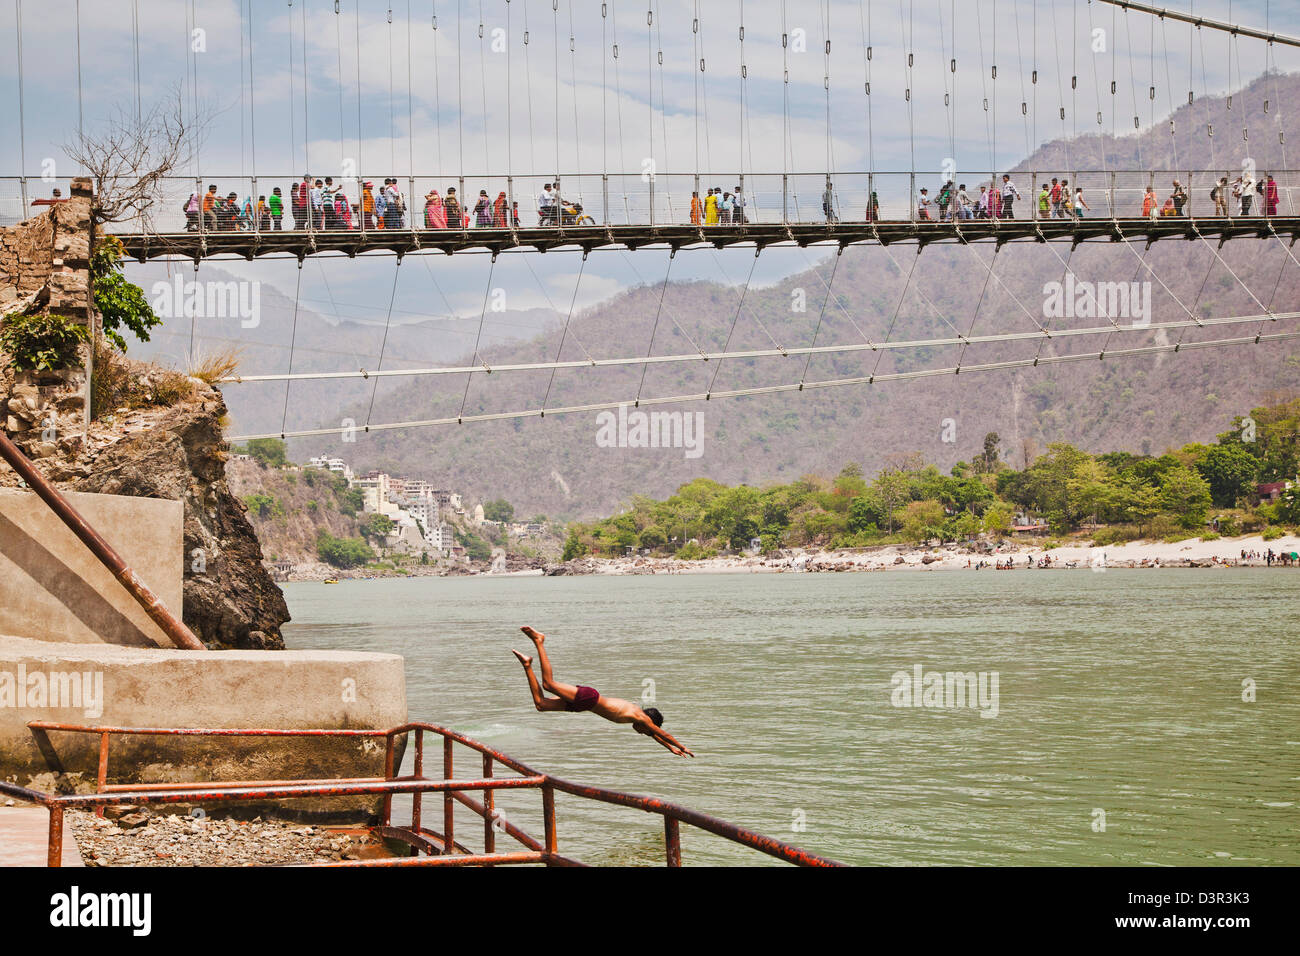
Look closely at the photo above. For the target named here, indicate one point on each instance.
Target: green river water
(1118, 692)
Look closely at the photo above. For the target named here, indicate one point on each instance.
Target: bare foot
(523, 658)
(536, 636)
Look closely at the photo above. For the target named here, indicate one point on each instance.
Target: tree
(1186, 494)
(997, 519)
(892, 485)
(475, 547)
(121, 304)
(653, 538)
(260, 504)
(342, 552)
(1231, 471)
(499, 510)
(987, 461)
(923, 520)
(132, 157)
(268, 452)
(377, 526)
(573, 547)
(865, 513)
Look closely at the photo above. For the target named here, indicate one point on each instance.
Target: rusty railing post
(548, 811)
(448, 801)
(171, 625)
(672, 841)
(101, 779)
(388, 775)
(418, 796)
(489, 803)
(54, 855)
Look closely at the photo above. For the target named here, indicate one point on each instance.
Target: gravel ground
(137, 838)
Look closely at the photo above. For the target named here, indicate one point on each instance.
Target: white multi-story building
(439, 537)
(423, 510)
(375, 493)
(335, 465)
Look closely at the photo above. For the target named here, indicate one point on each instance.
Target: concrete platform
(107, 685)
(24, 835)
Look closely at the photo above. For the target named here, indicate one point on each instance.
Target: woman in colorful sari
(711, 209)
(1270, 195)
(435, 214)
(697, 209)
(483, 209)
(499, 211)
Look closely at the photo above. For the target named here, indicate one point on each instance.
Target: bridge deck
(250, 245)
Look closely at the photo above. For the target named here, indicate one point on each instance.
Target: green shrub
(1114, 534)
(44, 343)
(1210, 536)
(1273, 533)
(343, 552)
(1251, 523)
(694, 552)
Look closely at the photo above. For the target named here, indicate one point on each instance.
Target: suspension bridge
(757, 205)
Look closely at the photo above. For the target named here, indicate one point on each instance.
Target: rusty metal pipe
(509, 828)
(171, 625)
(54, 846)
(485, 859)
(489, 803)
(672, 841)
(548, 812)
(417, 799)
(101, 779)
(448, 804)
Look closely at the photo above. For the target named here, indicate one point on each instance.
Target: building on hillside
(417, 488)
(423, 510)
(405, 538)
(440, 538)
(375, 494)
(450, 500)
(478, 516)
(1271, 491)
(335, 466)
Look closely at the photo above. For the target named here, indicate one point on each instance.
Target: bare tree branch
(132, 156)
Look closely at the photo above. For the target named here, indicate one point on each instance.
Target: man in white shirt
(318, 204)
(1009, 195)
(1247, 192)
(546, 206)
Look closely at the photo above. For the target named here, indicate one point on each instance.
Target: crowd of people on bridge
(322, 204)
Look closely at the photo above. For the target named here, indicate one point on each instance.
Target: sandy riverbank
(1190, 553)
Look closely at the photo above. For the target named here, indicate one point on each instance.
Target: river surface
(1121, 735)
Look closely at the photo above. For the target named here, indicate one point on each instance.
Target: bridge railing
(652, 198)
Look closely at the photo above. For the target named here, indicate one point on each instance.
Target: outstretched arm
(666, 739)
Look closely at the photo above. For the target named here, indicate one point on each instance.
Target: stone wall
(45, 260)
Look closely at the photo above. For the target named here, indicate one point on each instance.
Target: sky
(376, 88)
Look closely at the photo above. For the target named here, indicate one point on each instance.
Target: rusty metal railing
(431, 848)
